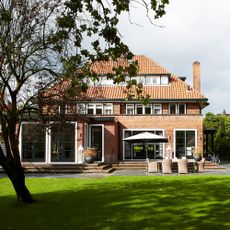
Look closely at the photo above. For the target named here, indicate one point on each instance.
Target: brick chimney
(196, 76)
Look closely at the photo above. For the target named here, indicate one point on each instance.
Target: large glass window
(33, 142)
(63, 142)
(185, 140)
(138, 150)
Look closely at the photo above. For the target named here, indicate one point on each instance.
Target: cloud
(193, 30)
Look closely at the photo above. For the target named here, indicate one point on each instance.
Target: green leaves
(5, 16)
(66, 21)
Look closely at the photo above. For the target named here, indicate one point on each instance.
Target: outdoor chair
(183, 166)
(167, 166)
(152, 166)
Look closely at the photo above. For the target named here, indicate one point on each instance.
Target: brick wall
(168, 123)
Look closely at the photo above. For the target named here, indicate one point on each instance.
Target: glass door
(96, 140)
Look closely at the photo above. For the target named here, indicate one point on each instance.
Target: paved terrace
(128, 172)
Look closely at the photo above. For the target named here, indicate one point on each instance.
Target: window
(172, 108)
(164, 80)
(33, 142)
(181, 108)
(139, 109)
(148, 109)
(157, 109)
(185, 140)
(156, 80)
(99, 108)
(177, 108)
(143, 109)
(81, 108)
(148, 80)
(134, 151)
(70, 109)
(90, 109)
(141, 80)
(130, 109)
(108, 108)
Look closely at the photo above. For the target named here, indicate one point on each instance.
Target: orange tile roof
(177, 89)
(146, 66)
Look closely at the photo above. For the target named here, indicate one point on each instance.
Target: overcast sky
(194, 30)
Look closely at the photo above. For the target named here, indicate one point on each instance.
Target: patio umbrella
(146, 137)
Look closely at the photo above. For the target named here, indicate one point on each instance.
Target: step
(76, 168)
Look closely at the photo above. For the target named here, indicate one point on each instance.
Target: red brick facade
(174, 111)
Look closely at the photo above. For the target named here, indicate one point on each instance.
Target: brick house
(174, 112)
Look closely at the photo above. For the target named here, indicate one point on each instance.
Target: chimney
(196, 76)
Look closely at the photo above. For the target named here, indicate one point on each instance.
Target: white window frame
(81, 108)
(67, 106)
(108, 107)
(166, 80)
(144, 130)
(139, 106)
(177, 108)
(178, 111)
(98, 107)
(103, 138)
(91, 106)
(158, 80)
(94, 107)
(174, 139)
(131, 107)
(148, 106)
(153, 109)
(48, 146)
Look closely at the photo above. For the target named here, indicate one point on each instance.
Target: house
(105, 117)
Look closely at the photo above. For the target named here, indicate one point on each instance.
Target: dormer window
(164, 80)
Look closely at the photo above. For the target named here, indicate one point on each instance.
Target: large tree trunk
(16, 174)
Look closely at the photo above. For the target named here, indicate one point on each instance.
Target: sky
(193, 30)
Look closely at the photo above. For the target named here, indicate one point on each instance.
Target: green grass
(167, 202)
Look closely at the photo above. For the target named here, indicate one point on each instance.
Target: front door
(96, 137)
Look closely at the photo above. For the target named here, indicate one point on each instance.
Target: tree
(41, 44)
(221, 123)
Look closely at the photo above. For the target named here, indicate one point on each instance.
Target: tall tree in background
(44, 41)
(220, 123)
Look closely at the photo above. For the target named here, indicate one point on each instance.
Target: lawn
(154, 202)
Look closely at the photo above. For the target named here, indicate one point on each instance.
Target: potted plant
(89, 155)
(197, 154)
